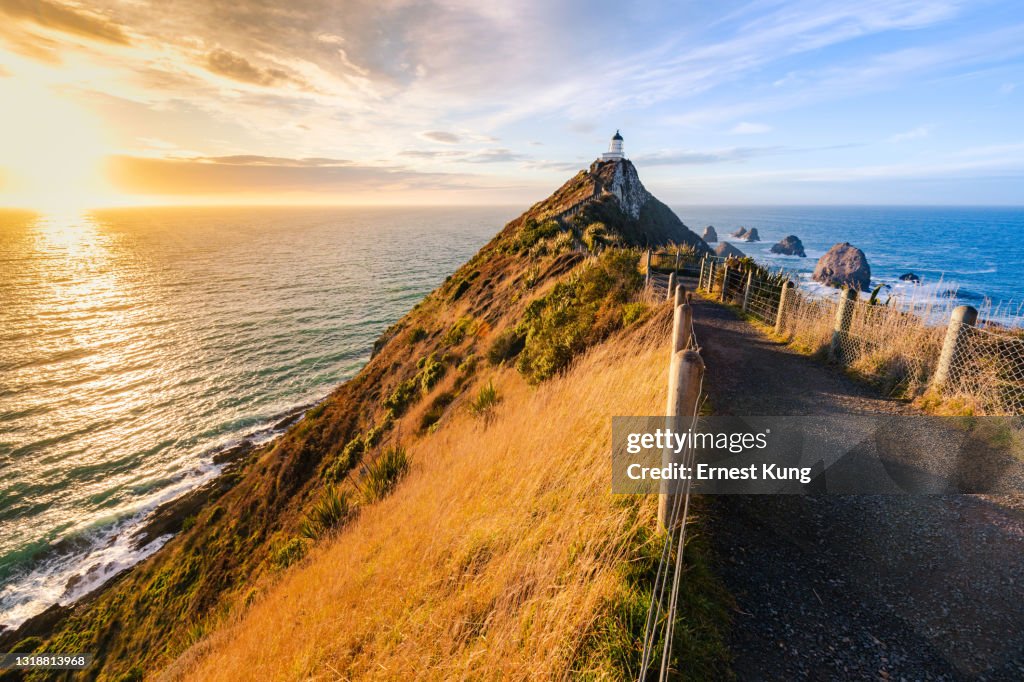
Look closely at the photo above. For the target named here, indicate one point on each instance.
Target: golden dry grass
(492, 559)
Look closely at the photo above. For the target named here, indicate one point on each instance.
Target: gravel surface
(855, 587)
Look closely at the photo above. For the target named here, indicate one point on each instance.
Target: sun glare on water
(51, 151)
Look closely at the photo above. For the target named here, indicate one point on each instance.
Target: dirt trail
(858, 587)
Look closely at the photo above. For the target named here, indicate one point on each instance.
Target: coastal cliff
(503, 313)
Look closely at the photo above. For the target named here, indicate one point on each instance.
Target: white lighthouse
(614, 152)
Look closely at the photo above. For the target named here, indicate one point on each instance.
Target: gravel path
(858, 587)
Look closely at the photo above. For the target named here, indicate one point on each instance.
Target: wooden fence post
(700, 275)
(725, 283)
(787, 288)
(676, 268)
(671, 287)
(684, 379)
(844, 316)
(746, 290)
(682, 320)
(957, 333)
(647, 268)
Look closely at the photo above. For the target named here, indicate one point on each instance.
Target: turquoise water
(136, 343)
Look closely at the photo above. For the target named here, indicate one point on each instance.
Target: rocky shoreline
(168, 518)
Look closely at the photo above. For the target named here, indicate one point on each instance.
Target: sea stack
(710, 236)
(727, 250)
(738, 234)
(844, 265)
(752, 236)
(790, 246)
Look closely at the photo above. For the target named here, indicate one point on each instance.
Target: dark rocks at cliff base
(752, 235)
(727, 250)
(739, 233)
(710, 235)
(844, 265)
(910, 277)
(790, 246)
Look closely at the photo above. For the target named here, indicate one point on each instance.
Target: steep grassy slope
(503, 555)
(531, 298)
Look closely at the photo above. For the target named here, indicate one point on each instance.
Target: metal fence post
(844, 315)
(671, 286)
(746, 290)
(787, 289)
(725, 283)
(957, 333)
(684, 379)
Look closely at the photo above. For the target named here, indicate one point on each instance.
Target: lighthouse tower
(614, 152)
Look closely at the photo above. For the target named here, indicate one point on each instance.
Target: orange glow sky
(112, 102)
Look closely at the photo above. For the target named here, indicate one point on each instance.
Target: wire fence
(905, 347)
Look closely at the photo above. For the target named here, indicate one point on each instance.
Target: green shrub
(289, 553)
(597, 236)
(508, 345)
(485, 400)
(458, 331)
(383, 474)
(632, 313)
(400, 399)
(532, 232)
(431, 372)
(417, 334)
(576, 313)
(468, 366)
(330, 512)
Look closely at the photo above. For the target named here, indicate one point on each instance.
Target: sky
(117, 102)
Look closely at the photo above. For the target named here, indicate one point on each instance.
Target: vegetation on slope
(284, 500)
(502, 554)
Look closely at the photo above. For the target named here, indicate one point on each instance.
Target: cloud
(1007, 88)
(440, 136)
(465, 156)
(278, 161)
(231, 65)
(66, 19)
(253, 175)
(699, 158)
(746, 128)
(915, 134)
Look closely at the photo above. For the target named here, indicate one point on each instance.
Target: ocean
(136, 343)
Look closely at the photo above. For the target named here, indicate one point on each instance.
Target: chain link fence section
(895, 349)
(986, 371)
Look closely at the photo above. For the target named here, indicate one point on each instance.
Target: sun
(51, 150)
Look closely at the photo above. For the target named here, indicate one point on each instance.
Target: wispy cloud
(441, 136)
(700, 158)
(747, 128)
(914, 134)
(66, 18)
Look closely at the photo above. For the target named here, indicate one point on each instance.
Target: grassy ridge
(502, 554)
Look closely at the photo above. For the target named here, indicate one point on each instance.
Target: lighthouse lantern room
(614, 152)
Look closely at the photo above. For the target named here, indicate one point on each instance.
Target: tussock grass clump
(332, 510)
(485, 400)
(383, 474)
